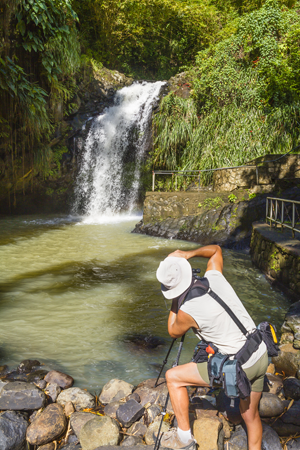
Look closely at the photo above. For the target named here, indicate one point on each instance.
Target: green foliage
(147, 38)
(232, 198)
(251, 196)
(245, 97)
(214, 202)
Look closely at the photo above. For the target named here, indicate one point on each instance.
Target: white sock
(184, 436)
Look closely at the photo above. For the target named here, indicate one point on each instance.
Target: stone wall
(277, 255)
(262, 172)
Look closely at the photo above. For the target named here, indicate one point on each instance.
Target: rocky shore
(41, 410)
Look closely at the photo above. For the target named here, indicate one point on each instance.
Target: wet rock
(12, 430)
(50, 446)
(270, 439)
(151, 413)
(15, 376)
(41, 384)
(63, 380)
(53, 390)
(69, 409)
(48, 426)
(78, 419)
(212, 440)
(293, 444)
(111, 409)
(129, 412)
(3, 370)
(145, 342)
(129, 441)
(27, 365)
(289, 423)
(80, 398)
(20, 396)
(273, 384)
(153, 428)
(231, 413)
(36, 376)
(270, 405)
(291, 387)
(98, 432)
(115, 390)
(138, 429)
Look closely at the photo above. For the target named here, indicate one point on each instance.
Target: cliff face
(51, 190)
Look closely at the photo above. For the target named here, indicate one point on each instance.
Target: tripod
(163, 413)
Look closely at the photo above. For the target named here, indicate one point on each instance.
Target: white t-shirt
(215, 324)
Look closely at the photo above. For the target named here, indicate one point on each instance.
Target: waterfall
(109, 176)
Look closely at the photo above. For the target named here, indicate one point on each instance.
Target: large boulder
(129, 412)
(79, 419)
(64, 381)
(289, 423)
(98, 432)
(115, 390)
(48, 426)
(20, 396)
(270, 405)
(214, 440)
(270, 439)
(81, 399)
(12, 430)
(288, 360)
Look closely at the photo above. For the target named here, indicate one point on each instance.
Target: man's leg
(250, 414)
(177, 379)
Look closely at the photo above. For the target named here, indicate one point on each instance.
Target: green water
(72, 294)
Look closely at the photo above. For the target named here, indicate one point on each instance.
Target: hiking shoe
(170, 439)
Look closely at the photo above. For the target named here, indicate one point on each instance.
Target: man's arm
(179, 322)
(213, 252)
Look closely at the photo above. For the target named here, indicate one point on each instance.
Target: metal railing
(283, 212)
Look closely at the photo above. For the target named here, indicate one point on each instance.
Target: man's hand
(212, 252)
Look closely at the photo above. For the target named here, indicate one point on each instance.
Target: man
(210, 322)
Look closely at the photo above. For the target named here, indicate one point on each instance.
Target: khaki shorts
(255, 373)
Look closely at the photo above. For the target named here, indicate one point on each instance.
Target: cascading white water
(108, 180)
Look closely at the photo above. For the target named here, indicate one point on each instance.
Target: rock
(3, 370)
(41, 384)
(80, 398)
(63, 380)
(69, 409)
(20, 396)
(293, 444)
(2, 384)
(270, 405)
(150, 394)
(226, 427)
(27, 365)
(202, 408)
(273, 384)
(111, 409)
(151, 413)
(50, 446)
(12, 430)
(291, 387)
(271, 369)
(53, 390)
(288, 360)
(231, 413)
(138, 429)
(72, 447)
(115, 390)
(78, 419)
(289, 423)
(129, 412)
(36, 376)
(15, 376)
(48, 426)
(98, 432)
(270, 439)
(134, 396)
(129, 441)
(214, 440)
(153, 428)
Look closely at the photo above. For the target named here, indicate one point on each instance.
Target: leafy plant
(214, 202)
(232, 198)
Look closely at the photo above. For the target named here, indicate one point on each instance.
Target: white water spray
(109, 177)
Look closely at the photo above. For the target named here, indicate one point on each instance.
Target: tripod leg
(158, 437)
(164, 362)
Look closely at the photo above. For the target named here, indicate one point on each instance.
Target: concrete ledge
(277, 254)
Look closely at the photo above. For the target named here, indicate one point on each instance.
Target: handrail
(274, 210)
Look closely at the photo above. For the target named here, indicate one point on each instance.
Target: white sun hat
(175, 276)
